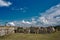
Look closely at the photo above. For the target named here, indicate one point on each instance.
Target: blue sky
(12, 10)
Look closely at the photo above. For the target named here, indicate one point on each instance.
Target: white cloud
(26, 22)
(4, 3)
(10, 24)
(51, 16)
(21, 23)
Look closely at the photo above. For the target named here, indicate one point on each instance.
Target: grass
(19, 36)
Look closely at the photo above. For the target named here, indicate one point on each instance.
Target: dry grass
(19, 36)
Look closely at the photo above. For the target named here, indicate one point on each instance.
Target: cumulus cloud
(51, 17)
(4, 3)
(26, 22)
(10, 24)
(21, 23)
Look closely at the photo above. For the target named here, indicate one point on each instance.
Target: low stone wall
(36, 30)
(6, 31)
(2, 32)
